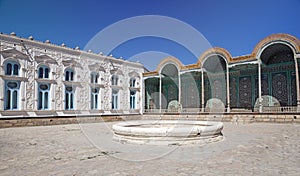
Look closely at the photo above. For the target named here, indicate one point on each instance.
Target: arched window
(69, 75)
(12, 68)
(43, 72)
(114, 80)
(132, 82)
(94, 98)
(43, 96)
(11, 95)
(69, 98)
(94, 78)
(115, 98)
(132, 99)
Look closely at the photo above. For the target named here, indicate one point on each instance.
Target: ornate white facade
(42, 79)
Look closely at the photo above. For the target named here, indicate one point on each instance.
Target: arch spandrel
(290, 40)
(133, 74)
(45, 59)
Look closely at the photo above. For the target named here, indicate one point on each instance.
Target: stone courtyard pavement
(87, 149)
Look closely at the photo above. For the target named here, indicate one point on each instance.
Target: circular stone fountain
(167, 132)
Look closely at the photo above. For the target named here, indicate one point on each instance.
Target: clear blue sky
(234, 25)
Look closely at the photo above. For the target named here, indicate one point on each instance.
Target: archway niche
(278, 75)
(215, 80)
(169, 85)
(152, 93)
(191, 90)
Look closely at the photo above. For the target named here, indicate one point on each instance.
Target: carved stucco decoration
(13, 53)
(59, 89)
(133, 74)
(107, 83)
(84, 90)
(45, 59)
(125, 93)
(71, 62)
(116, 71)
(30, 85)
(96, 67)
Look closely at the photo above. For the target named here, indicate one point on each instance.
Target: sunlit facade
(40, 79)
(267, 80)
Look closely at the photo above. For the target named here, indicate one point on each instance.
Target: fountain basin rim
(169, 128)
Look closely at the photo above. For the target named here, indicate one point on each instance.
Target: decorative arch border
(42, 64)
(13, 59)
(169, 60)
(290, 40)
(70, 68)
(20, 62)
(214, 51)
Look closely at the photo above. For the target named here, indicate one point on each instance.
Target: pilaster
(202, 91)
(296, 57)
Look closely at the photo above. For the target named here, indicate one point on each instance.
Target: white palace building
(40, 79)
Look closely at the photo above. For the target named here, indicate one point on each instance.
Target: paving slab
(87, 149)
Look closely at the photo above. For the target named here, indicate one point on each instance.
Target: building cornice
(63, 49)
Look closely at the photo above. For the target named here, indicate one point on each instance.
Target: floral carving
(30, 86)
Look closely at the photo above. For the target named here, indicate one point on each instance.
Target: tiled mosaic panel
(279, 88)
(245, 92)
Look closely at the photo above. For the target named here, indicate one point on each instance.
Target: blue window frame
(43, 96)
(114, 80)
(43, 72)
(132, 82)
(94, 98)
(12, 68)
(132, 99)
(69, 98)
(11, 95)
(115, 99)
(69, 75)
(94, 78)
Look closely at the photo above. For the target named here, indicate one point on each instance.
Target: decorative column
(179, 91)
(147, 99)
(228, 93)
(202, 91)
(259, 86)
(142, 98)
(160, 93)
(297, 81)
(59, 92)
(2, 94)
(1, 81)
(29, 86)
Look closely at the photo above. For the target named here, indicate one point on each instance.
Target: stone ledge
(6, 123)
(236, 118)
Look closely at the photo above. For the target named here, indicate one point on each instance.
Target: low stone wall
(226, 117)
(43, 121)
(231, 117)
